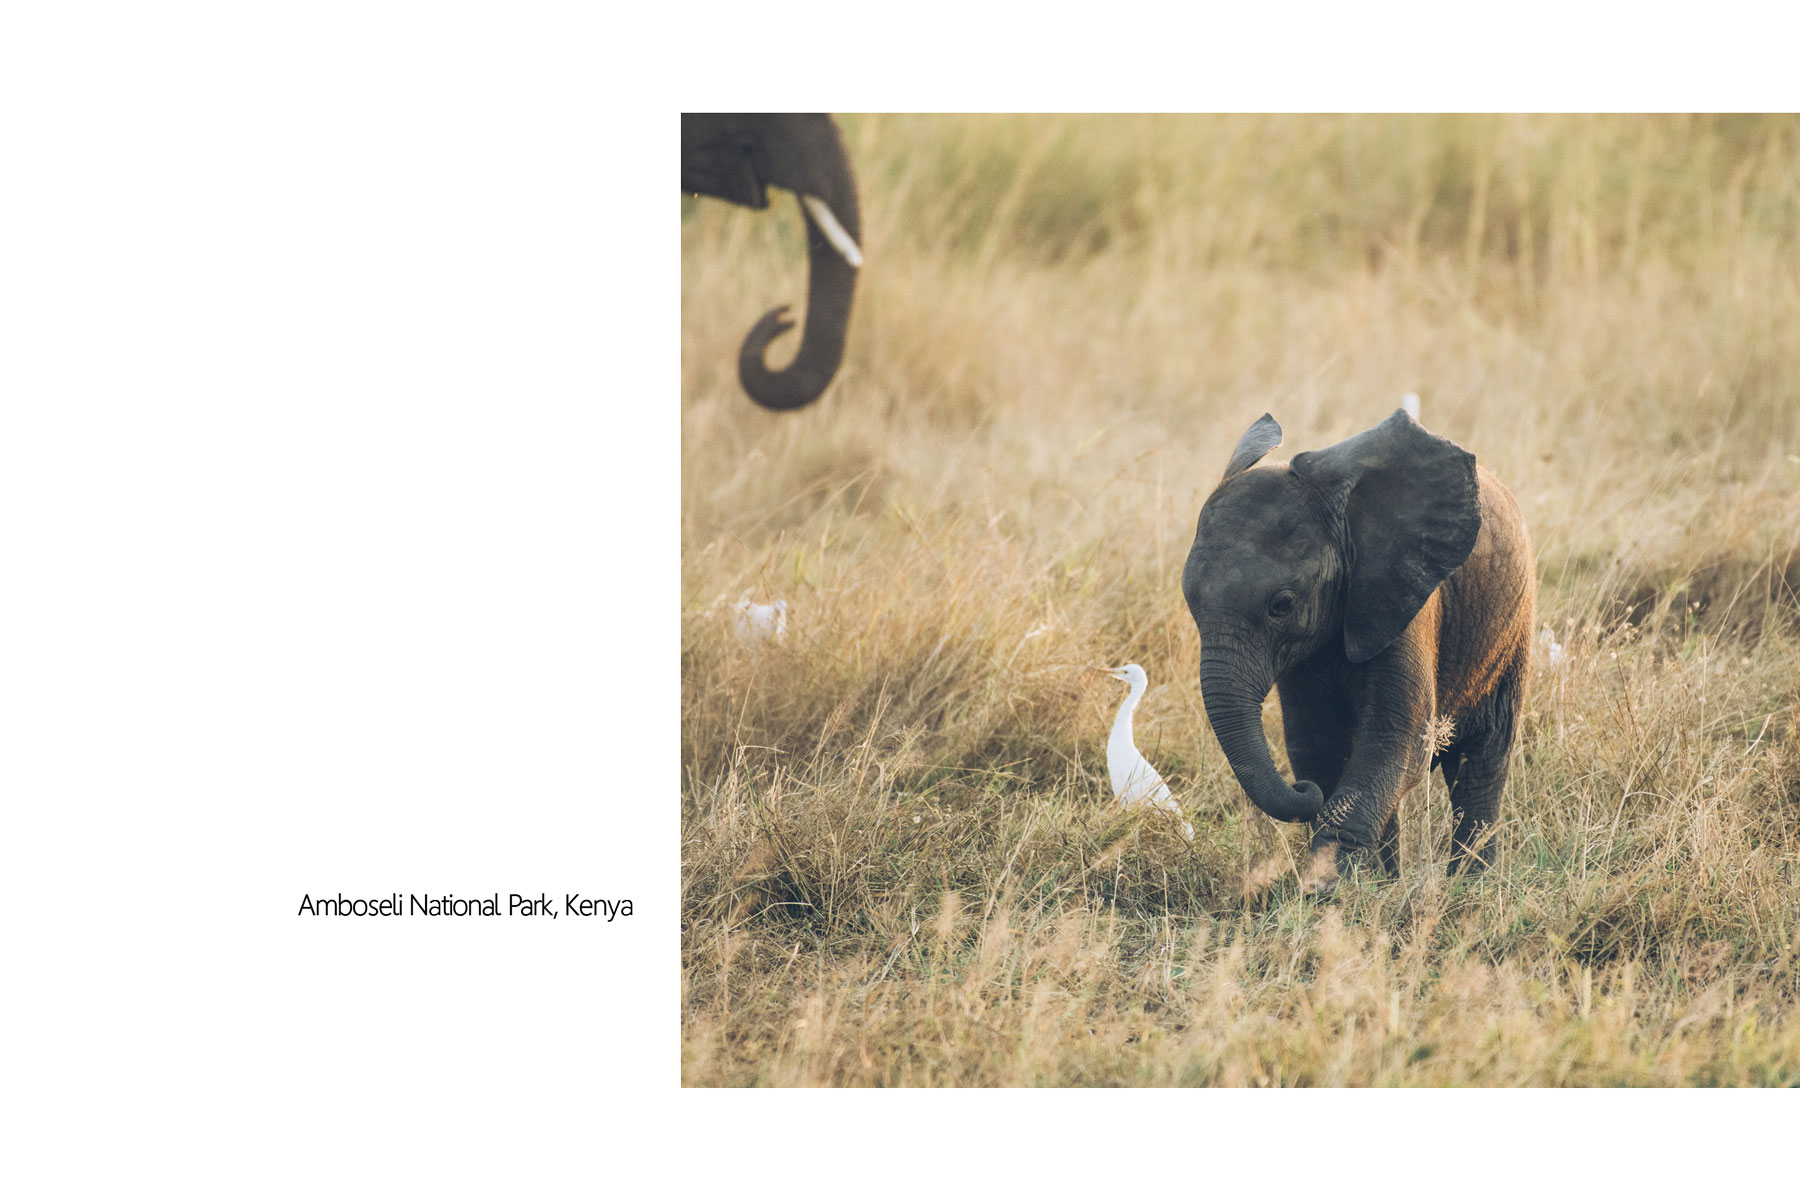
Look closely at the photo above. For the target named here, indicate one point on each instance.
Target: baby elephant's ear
(1257, 441)
(1410, 505)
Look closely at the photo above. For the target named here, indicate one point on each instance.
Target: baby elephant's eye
(1281, 604)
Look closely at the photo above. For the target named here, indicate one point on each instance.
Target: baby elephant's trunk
(1235, 710)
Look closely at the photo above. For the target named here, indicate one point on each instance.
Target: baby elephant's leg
(1387, 756)
(1389, 844)
(1357, 825)
(1475, 786)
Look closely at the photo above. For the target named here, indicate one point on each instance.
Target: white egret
(1553, 649)
(1134, 780)
(1410, 402)
(759, 622)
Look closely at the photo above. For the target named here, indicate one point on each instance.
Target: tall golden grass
(901, 862)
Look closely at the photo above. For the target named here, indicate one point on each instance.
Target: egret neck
(1121, 749)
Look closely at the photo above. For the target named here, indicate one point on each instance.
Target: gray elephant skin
(1385, 586)
(737, 157)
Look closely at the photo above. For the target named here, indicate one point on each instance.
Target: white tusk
(834, 233)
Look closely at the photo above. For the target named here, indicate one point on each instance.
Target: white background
(340, 556)
(339, 493)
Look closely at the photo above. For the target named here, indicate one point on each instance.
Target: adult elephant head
(736, 157)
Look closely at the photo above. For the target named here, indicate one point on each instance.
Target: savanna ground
(901, 861)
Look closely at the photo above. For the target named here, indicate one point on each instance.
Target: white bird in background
(1410, 402)
(757, 623)
(1553, 649)
(1134, 780)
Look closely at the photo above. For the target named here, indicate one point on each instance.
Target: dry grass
(901, 863)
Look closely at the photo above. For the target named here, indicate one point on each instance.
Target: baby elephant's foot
(1331, 863)
(1320, 878)
(1472, 848)
(1467, 864)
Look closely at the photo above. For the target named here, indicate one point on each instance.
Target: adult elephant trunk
(1234, 706)
(738, 157)
(827, 191)
(834, 256)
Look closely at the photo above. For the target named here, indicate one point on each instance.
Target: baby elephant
(1384, 585)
